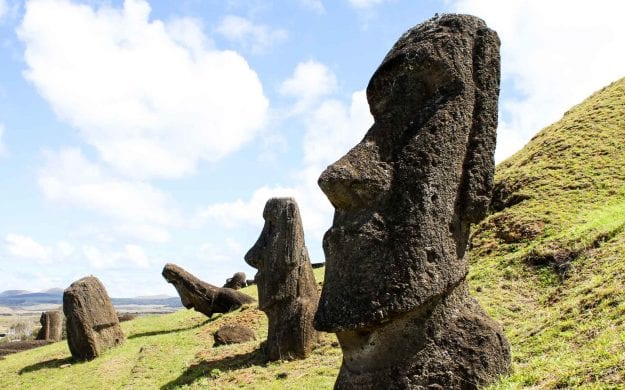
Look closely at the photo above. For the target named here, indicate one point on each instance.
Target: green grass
(565, 324)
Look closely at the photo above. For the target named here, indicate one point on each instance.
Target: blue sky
(135, 133)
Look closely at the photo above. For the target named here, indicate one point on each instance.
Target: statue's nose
(357, 180)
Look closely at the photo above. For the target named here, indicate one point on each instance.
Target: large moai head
(279, 255)
(407, 193)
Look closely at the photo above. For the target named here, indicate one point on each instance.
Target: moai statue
(405, 197)
(287, 291)
(92, 324)
(237, 281)
(51, 326)
(201, 296)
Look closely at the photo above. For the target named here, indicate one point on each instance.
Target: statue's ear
(479, 163)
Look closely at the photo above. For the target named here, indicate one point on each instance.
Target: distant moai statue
(405, 197)
(287, 291)
(201, 296)
(237, 281)
(51, 326)
(92, 323)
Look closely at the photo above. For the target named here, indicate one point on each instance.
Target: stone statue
(51, 326)
(287, 291)
(92, 324)
(201, 296)
(405, 197)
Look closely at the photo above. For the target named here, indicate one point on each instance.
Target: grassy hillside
(549, 264)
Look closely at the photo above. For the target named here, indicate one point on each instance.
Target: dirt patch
(19, 346)
(510, 231)
(559, 259)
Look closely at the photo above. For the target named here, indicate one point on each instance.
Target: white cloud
(2, 147)
(256, 37)
(152, 97)
(3, 8)
(311, 80)
(315, 5)
(25, 247)
(554, 54)
(69, 178)
(130, 255)
(364, 4)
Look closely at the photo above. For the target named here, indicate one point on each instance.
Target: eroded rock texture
(51, 326)
(201, 296)
(237, 281)
(287, 291)
(92, 324)
(233, 334)
(405, 197)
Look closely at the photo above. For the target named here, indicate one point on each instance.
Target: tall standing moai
(92, 323)
(287, 291)
(51, 326)
(405, 197)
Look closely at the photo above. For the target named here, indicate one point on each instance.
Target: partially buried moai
(92, 323)
(287, 291)
(51, 326)
(405, 197)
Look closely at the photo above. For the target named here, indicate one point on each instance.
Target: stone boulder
(405, 197)
(233, 334)
(237, 281)
(51, 326)
(92, 324)
(201, 296)
(287, 291)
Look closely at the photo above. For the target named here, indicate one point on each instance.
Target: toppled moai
(287, 291)
(201, 296)
(237, 281)
(405, 197)
(92, 324)
(51, 326)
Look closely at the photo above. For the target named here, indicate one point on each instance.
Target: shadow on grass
(210, 367)
(52, 363)
(159, 332)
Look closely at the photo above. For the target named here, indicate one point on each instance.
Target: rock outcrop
(92, 324)
(237, 281)
(51, 326)
(287, 291)
(233, 334)
(201, 296)
(405, 197)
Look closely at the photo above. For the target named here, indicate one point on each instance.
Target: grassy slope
(175, 351)
(552, 267)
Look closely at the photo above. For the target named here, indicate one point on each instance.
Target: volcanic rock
(405, 197)
(92, 324)
(201, 296)
(233, 334)
(287, 291)
(51, 326)
(237, 281)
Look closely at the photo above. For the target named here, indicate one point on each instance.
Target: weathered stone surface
(405, 197)
(287, 291)
(202, 296)
(233, 334)
(51, 326)
(92, 324)
(237, 281)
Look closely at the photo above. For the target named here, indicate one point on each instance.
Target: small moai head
(277, 253)
(404, 196)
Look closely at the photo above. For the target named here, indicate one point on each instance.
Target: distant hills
(21, 298)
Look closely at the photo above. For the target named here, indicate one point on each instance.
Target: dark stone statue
(233, 334)
(237, 281)
(287, 291)
(405, 197)
(51, 326)
(202, 296)
(92, 324)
